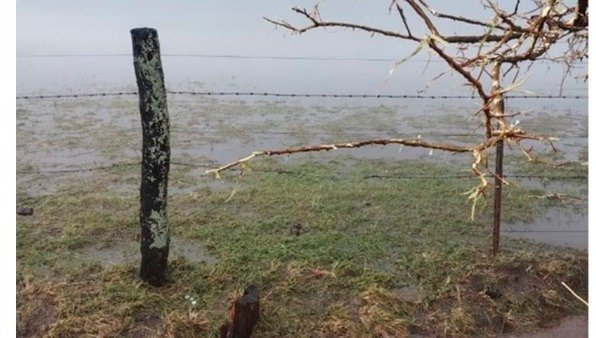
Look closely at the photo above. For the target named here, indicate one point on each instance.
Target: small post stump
(23, 211)
(243, 315)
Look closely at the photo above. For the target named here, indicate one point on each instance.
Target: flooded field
(384, 232)
(62, 142)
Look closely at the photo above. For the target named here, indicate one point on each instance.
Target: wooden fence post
(498, 111)
(497, 197)
(155, 230)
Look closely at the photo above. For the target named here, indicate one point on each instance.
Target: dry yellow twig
(356, 144)
(574, 294)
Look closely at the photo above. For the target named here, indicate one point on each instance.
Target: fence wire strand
(296, 95)
(274, 133)
(291, 172)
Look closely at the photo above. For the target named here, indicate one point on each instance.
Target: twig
(403, 17)
(458, 18)
(575, 294)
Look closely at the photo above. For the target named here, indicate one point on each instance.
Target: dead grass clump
(384, 313)
(513, 294)
(188, 324)
(460, 313)
(461, 321)
(95, 325)
(36, 309)
(341, 321)
(147, 324)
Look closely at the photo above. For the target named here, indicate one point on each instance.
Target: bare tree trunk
(155, 231)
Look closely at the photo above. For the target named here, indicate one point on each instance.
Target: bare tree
(519, 32)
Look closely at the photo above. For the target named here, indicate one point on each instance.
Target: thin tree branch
(429, 24)
(316, 23)
(511, 133)
(403, 17)
(459, 18)
(350, 145)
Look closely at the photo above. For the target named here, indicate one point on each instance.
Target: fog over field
(60, 29)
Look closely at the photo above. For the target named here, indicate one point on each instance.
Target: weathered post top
(147, 62)
(155, 230)
(144, 41)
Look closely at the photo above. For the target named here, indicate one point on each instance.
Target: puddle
(563, 224)
(48, 184)
(121, 253)
(191, 251)
(47, 157)
(556, 226)
(129, 252)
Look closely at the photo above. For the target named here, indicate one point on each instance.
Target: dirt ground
(571, 327)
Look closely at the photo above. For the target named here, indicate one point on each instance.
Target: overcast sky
(231, 27)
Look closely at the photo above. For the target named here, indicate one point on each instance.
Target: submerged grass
(380, 255)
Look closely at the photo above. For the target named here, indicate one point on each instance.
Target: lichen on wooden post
(155, 230)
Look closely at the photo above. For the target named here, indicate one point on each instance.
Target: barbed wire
(78, 170)
(102, 167)
(543, 231)
(250, 57)
(266, 133)
(291, 172)
(554, 177)
(290, 133)
(410, 177)
(294, 95)
(80, 95)
(378, 96)
(293, 133)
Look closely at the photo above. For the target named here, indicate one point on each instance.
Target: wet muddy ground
(59, 140)
(572, 327)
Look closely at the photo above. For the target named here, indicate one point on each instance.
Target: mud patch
(192, 251)
(115, 254)
(573, 326)
(129, 252)
(147, 324)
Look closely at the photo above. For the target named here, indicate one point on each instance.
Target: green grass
(380, 256)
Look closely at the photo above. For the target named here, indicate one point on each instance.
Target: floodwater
(58, 139)
(557, 226)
